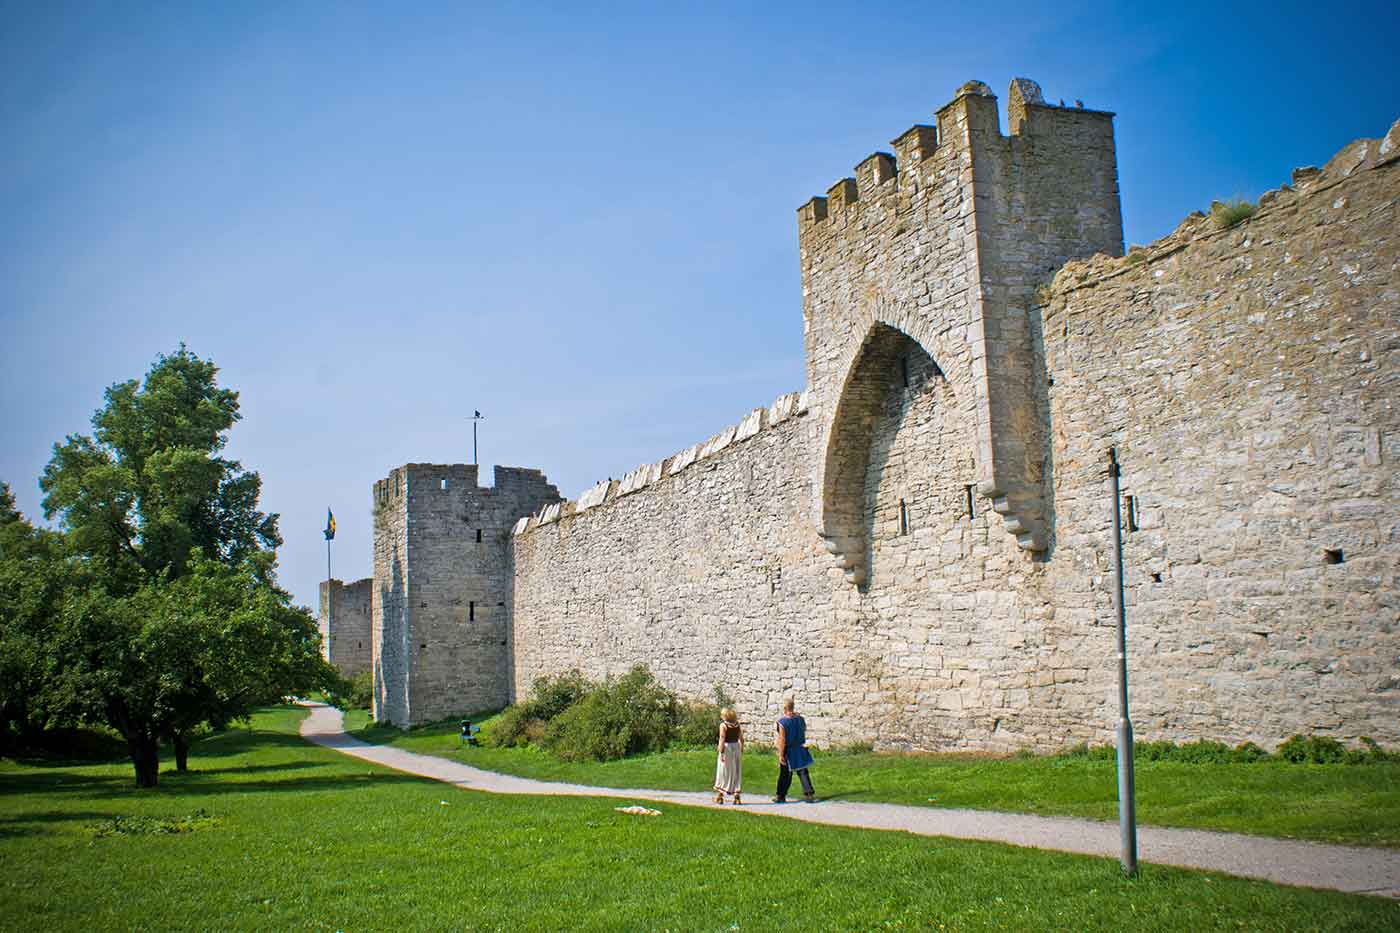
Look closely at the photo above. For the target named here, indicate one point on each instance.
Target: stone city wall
(346, 643)
(1247, 378)
(1250, 380)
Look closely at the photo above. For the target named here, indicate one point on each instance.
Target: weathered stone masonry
(346, 643)
(917, 544)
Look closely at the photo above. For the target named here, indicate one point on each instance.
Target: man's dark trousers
(785, 781)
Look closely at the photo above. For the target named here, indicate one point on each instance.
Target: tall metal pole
(330, 596)
(1127, 808)
(476, 416)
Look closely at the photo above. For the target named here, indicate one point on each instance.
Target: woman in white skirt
(729, 770)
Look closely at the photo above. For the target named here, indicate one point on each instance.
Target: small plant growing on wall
(1228, 213)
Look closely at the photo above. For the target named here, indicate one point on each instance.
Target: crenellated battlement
(944, 241)
(969, 119)
(784, 407)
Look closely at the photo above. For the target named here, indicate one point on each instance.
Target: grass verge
(284, 835)
(1354, 804)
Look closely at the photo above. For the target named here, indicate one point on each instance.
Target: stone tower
(344, 624)
(927, 261)
(442, 587)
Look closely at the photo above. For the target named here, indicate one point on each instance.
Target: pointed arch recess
(874, 372)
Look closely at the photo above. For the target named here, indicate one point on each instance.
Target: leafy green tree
(31, 590)
(206, 648)
(149, 485)
(171, 618)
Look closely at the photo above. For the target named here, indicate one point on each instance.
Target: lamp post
(1127, 808)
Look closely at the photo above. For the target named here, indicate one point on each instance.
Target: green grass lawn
(285, 835)
(1356, 804)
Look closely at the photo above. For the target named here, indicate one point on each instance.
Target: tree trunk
(145, 755)
(182, 751)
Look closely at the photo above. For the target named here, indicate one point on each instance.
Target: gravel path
(1353, 869)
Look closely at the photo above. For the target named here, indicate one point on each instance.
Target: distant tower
(345, 640)
(442, 590)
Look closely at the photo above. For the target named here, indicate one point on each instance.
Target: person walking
(793, 756)
(729, 769)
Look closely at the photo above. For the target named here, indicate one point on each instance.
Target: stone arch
(879, 365)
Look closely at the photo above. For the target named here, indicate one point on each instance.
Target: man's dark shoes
(780, 800)
(809, 798)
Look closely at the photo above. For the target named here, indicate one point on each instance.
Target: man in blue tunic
(793, 757)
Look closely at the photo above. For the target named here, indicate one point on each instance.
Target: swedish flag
(330, 525)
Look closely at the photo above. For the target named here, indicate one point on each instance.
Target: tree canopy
(149, 484)
(155, 610)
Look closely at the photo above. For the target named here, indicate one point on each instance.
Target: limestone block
(717, 443)
(782, 408)
(592, 498)
(683, 459)
(751, 425)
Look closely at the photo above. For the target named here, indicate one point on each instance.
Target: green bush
(1312, 749)
(526, 722)
(1228, 213)
(579, 720)
(697, 722)
(362, 690)
(628, 716)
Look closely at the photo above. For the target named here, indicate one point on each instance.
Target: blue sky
(579, 219)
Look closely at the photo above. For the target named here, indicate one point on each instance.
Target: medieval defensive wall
(917, 544)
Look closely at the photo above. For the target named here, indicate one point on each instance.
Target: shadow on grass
(243, 769)
(110, 787)
(17, 827)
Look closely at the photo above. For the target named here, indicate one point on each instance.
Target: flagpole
(330, 588)
(476, 416)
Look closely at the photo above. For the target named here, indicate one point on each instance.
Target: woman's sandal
(719, 797)
(738, 801)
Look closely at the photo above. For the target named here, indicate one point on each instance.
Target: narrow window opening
(471, 612)
(1333, 555)
(904, 370)
(971, 511)
(478, 536)
(1050, 381)
(1156, 578)
(444, 484)
(903, 518)
(1132, 513)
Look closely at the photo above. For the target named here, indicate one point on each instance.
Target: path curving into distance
(1354, 869)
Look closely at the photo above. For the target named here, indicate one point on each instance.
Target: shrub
(1312, 749)
(362, 690)
(1228, 213)
(1248, 753)
(525, 722)
(697, 722)
(627, 716)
